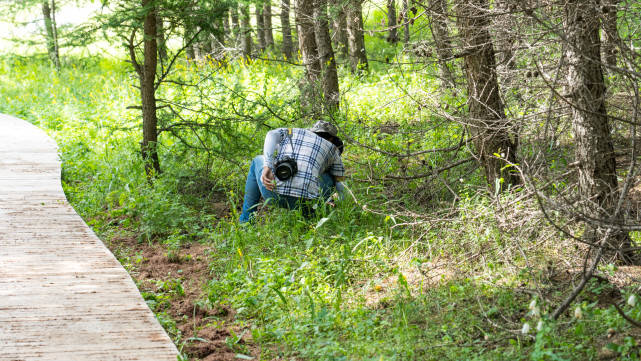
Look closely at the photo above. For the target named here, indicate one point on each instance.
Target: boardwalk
(63, 295)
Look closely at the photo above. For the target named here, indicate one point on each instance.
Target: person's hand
(267, 177)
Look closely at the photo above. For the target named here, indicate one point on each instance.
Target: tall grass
(351, 284)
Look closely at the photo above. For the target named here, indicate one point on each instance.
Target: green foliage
(350, 284)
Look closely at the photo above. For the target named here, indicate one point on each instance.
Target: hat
(322, 126)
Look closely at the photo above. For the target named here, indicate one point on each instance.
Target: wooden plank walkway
(63, 295)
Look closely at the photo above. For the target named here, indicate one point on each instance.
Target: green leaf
(243, 357)
(321, 222)
(280, 295)
(196, 339)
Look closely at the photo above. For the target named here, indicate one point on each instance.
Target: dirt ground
(210, 331)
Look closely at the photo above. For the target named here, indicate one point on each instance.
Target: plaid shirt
(314, 156)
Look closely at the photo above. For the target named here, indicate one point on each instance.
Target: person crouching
(297, 168)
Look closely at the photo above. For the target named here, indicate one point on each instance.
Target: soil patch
(181, 275)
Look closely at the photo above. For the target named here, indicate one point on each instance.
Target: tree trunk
(392, 35)
(310, 90)
(491, 132)
(227, 32)
(326, 56)
(204, 44)
(148, 94)
(307, 38)
(189, 51)
(245, 29)
(339, 26)
(217, 39)
(355, 36)
(235, 25)
(442, 41)
(188, 33)
(504, 30)
(52, 41)
(196, 46)
(267, 18)
(610, 32)
(295, 38)
(286, 29)
(406, 22)
(54, 25)
(162, 45)
(594, 150)
(260, 27)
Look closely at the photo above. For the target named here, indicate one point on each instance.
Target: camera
(286, 168)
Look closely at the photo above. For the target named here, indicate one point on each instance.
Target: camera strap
(291, 143)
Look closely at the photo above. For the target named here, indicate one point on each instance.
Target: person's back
(313, 155)
(306, 163)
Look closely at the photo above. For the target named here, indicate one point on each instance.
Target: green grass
(348, 285)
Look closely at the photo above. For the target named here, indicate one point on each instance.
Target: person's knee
(327, 185)
(258, 159)
(327, 180)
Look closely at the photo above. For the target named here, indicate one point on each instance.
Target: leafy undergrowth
(359, 281)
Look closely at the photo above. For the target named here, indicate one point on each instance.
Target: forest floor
(175, 281)
(412, 276)
(205, 333)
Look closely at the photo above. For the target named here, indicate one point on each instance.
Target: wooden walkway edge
(63, 295)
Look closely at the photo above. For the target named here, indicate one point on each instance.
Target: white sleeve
(272, 140)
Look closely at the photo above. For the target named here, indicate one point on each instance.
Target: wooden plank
(63, 295)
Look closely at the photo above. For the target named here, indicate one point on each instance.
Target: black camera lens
(284, 172)
(286, 168)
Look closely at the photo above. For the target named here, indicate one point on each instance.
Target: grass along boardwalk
(63, 295)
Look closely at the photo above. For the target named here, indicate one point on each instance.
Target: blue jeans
(254, 189)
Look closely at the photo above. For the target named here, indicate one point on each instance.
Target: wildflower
(536, 311)
(539, 326)
(632, 300)
(578, 313)
(526, 328)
